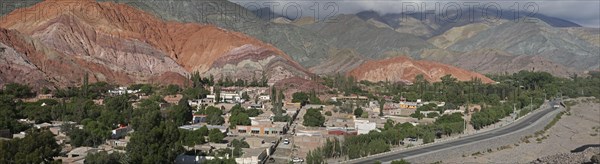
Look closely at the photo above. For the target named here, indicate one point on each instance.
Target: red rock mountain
(404, 69)
(112, 42)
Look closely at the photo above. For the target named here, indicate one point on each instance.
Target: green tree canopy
(313, 117)
(216, 136)
(36, 147)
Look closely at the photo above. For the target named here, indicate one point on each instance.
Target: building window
(255, 131)
(241, 131)
(274, 132)
(266, 132)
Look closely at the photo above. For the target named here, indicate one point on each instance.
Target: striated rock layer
(118, 43)
(490, 61)
(404, 69)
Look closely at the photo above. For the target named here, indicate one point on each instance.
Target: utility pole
(514, 112)
(465, 124)
(531, 105)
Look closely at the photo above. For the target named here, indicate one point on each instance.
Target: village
(276, 132)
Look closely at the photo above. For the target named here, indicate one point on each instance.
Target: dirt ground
(580, 127)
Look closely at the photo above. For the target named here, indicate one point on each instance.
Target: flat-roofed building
(348, 98)
(364, 126)
(263, 127)
(120, 132)
(199, 118)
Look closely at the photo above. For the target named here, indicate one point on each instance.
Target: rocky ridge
(108, 39)
(404, 69)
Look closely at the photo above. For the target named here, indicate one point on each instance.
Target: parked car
(295, 160)
(286, 141)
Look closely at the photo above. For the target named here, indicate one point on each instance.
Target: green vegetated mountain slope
(490, 61)
(426, 24)
(345, 41)
(304, 46)
(534, 38)
(349, 31)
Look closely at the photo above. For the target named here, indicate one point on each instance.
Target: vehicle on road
(286, 141)
(296, 160)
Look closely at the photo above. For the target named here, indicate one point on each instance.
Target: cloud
(584, 12)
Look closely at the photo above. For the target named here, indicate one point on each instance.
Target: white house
(227, 97)
(364, 126)
(264, 97)
(120, 132)
(453, 111)
(122, 91)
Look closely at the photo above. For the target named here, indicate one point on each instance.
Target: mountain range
(133, 41)
(120, 44)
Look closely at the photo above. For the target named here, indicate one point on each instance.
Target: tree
(299, 97)
(239, 119)
(159, 144)
(281, 118)
(313, 98)
(36, 147)
(9, 115)
(18, 90)
(401, 161)
(146, 89)
(245, 96)
(381, 106)
(195, 93)
(432, 115)
(417, 115)
(358, 112)
(217, 94)
(450, 124)
(85, 85)
(103, 158)
(181, 113)
(216, 136)
(172, 89)
(328, 113)
(237, 147)
(315, 157)
(196, 80)
(120, 106)
(93, 133)
(220, 161)
(313, 117)
(191, 138)
(203, 131)
(253, 112)
(213, 115)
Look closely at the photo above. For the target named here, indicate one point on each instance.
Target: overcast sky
(583, 12)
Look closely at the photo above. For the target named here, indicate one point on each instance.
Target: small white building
(427, 112)
(122, 91)
(227, 97)
(264, 97)
(453, 111)
(256, 106)
(120, 132)
(364, 126)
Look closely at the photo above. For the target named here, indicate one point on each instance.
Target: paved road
(521, 124)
